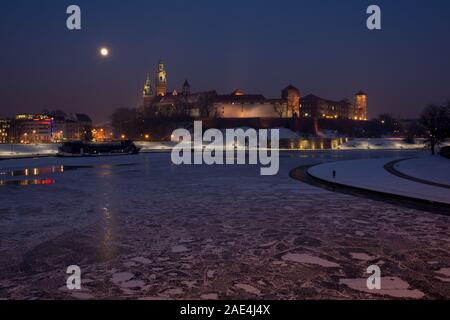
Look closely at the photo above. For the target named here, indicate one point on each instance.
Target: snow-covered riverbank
(370, 175)
(382, 144)
(32, 150)
(27, 150)
(429, 168)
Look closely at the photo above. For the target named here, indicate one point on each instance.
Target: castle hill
(240, 109)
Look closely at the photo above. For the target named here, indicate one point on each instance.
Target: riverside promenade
(423, 178)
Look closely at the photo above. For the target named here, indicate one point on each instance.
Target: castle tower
(360, 112)
(186, 88)
(161, 80)
(147, 94)
(292, 95)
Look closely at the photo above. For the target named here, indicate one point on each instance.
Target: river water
(141, 227)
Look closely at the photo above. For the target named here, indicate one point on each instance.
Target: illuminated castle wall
(360, 106)
(241, 105)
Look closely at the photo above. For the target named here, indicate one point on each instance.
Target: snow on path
(371, 175)
(430, 168)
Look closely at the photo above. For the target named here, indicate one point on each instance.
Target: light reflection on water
(107, 248)
(29, 175)
(27, 182)
(108, 222)
(33, 172)
(27, 172)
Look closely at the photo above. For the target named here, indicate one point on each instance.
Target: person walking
(334, 174)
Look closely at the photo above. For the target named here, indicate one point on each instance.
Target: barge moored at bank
(83, 149)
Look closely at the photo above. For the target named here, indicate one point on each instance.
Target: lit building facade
(161, 80)
(360, 106)
(5, 130)
(291, 95)
(33, 128)
(147, 93)
(41, 128)
(241, 105)
(101, 134)
(319, 108)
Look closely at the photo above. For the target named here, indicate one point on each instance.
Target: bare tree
(436, 121)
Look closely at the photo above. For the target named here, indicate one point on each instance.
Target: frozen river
(140, 227)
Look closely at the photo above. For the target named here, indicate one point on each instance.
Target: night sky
(322, 47)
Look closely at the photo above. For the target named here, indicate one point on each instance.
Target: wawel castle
(158, 101)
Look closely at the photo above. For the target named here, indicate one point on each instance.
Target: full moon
(104, 52)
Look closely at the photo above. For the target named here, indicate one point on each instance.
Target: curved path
(390, 167)
(303, 174)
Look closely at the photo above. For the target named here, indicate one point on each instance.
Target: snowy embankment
(155, 146)
(371, 175)
(30, 150)
(27, 150)
(429, 168)
(382, 144)
(49, 149)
